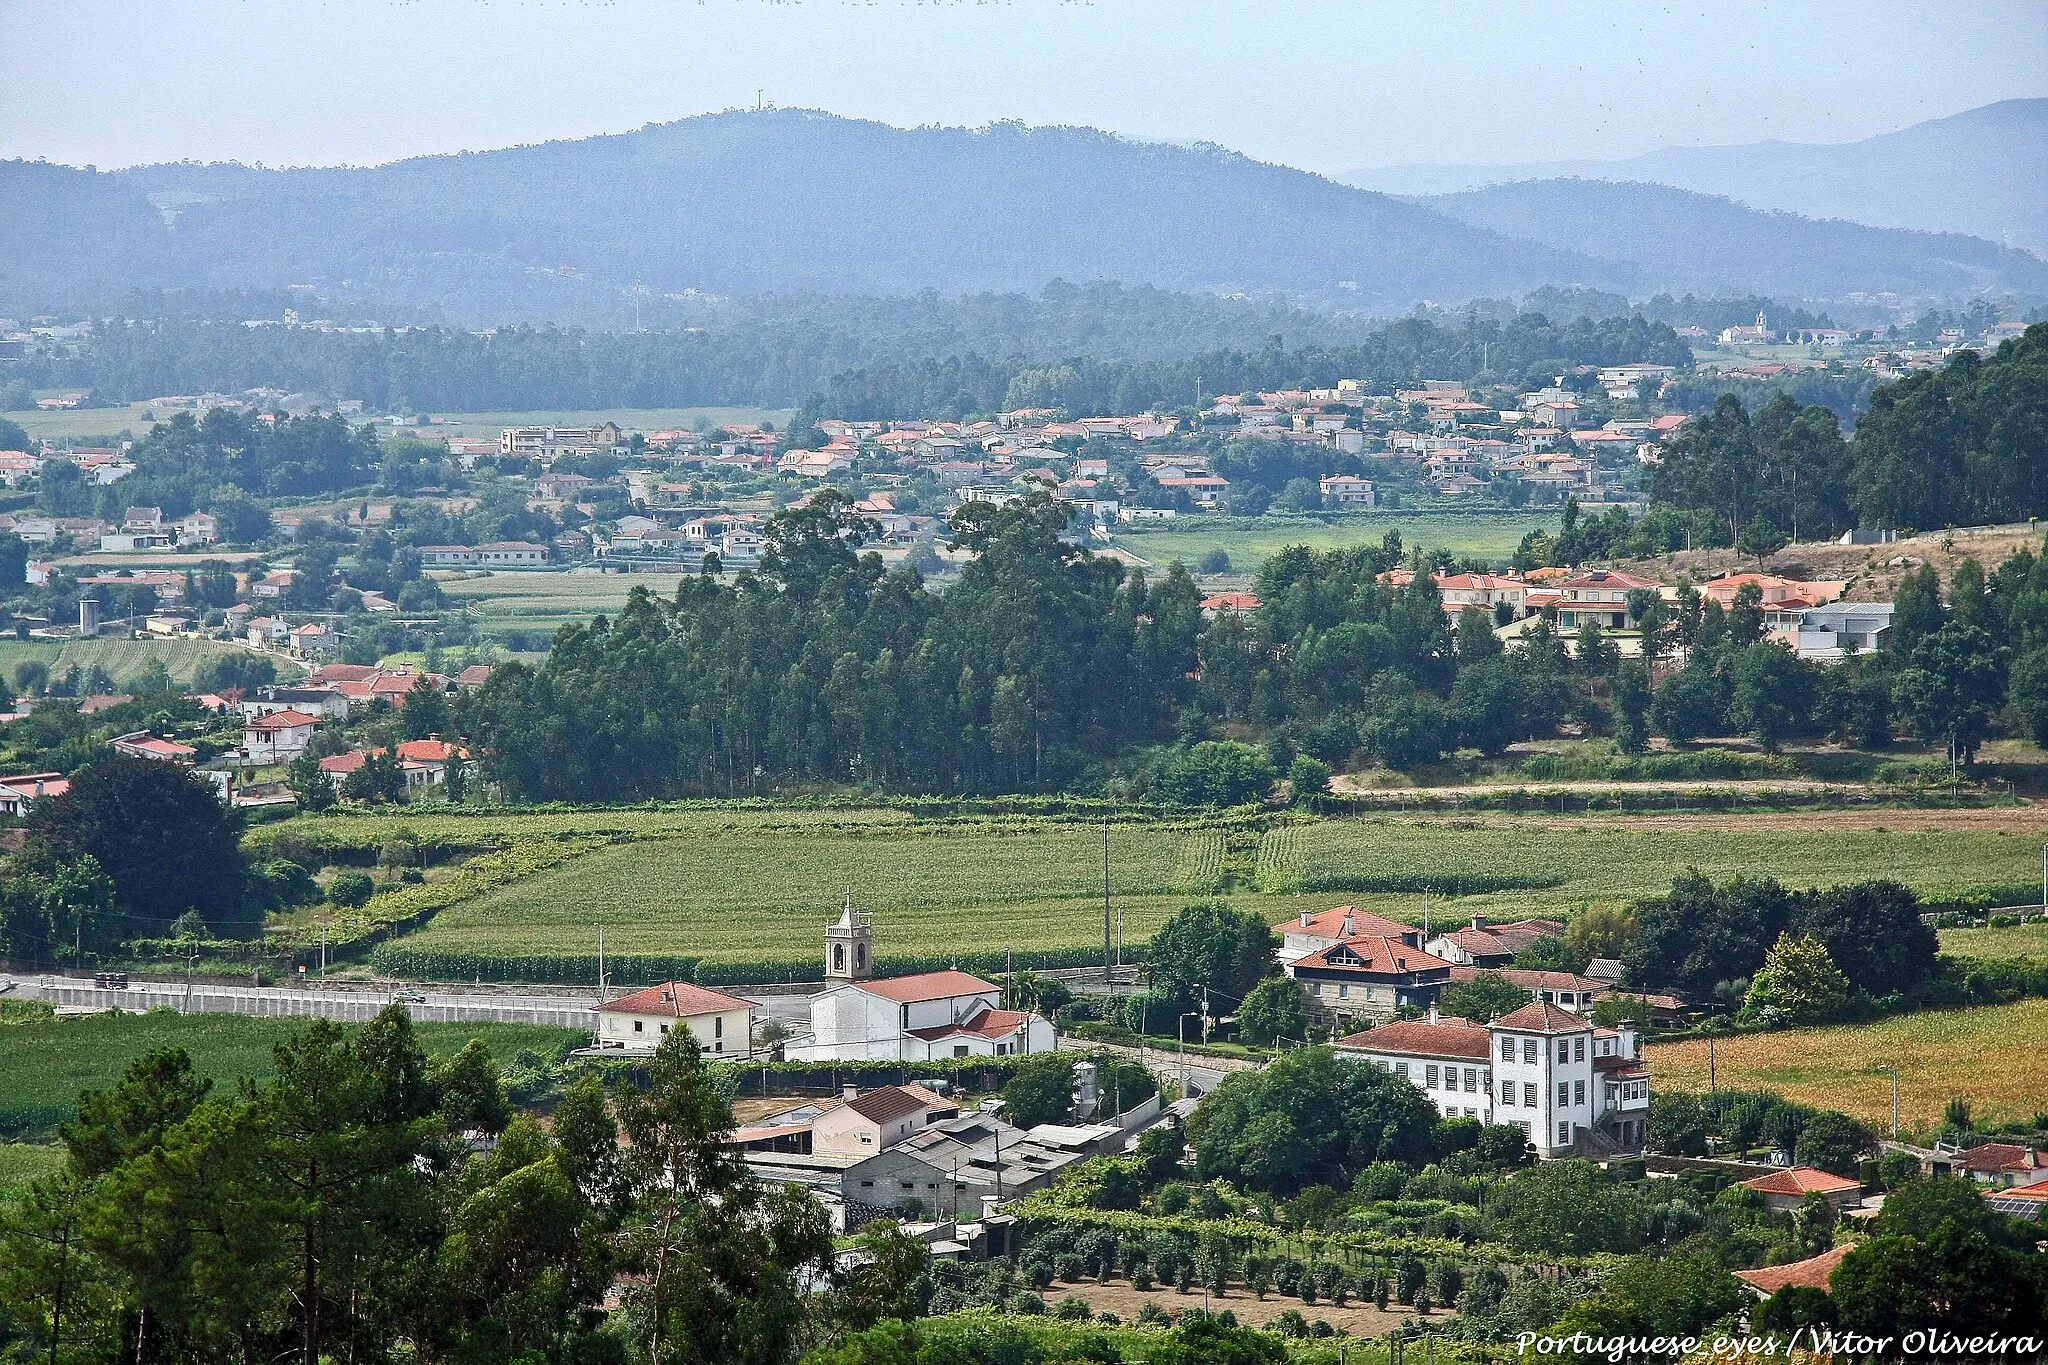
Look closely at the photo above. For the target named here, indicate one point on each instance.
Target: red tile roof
(1540, 1016)
(1811, 1273)
(987, 1024)
(679, 998)
(886, 1104)
(343, 763)
(429, 750)
(1800, 1180)
(1453, 1038)
(1374, 953)
(1994, 1157)
(282, 720)
(909, 990)
(1332, 924)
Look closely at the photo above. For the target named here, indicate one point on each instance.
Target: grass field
(748, 892)
(1250, 542)
(74, 423)
(1557, 864)
(541, 603)
(44, 1066)
(1939, 1055)
(123, 659)
(632, 419)
(2029, 941)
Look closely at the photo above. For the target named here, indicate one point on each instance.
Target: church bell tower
(850, 946)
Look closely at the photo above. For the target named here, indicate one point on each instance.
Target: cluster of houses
(278, 722)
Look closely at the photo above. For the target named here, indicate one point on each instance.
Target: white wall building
(1573, 1087)
(723, 1024)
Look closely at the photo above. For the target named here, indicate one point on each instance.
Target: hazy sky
(1329, 87)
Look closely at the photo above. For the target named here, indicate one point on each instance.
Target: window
(1529, 1094)
(1430, 1083)
(718, 1027)
(1578, 1092)
(838, 957)
(1400, 1068)
(1343, 991)
(1564, 1049)
(1507, 1092)
(867, 1184)
(1471, 1078)
(1529, 1051)
(1507, 1049)
(910, 1185)
(1564, 1093)
(867, 1140)
(664, 1028)
(639, 1026)
(906, 1016)
(1579, 1050)
(959, 1049)
(1564, 1134)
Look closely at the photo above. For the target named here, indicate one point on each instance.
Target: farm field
(1250, 541)
(1547, 864)
(22, 1162)
(72, 423)
(43, 1066)
(748, 894)
(2028, 941)
(123, 659)
(632, 419)
(538, 604)
(1939, 1055)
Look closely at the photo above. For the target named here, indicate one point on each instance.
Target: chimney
(1349, 925)
(1432, 1012)
(1304, 919)
(849, 1092)
(1478, 920)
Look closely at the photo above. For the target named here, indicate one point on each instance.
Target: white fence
(348, 1006)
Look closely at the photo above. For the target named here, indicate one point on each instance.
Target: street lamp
(1181, 1032)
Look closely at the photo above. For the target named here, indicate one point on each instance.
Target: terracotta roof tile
(1811, 1273)
(679, 998)
(1800, 1180)
(908, 990)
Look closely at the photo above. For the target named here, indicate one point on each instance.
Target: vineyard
(2028, 941)
(1511, 865)
(761, 895)
(1939, 1055)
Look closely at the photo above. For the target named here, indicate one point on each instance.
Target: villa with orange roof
(723, 1024)
(1784, 1191)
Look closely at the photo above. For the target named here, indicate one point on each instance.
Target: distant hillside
(1681, 240)
(1979, 172)
(777, 201)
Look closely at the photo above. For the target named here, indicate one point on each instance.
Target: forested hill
(1002, 353)
(1682, 240)
(779, 200)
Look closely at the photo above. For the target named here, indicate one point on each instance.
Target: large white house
(1571, 1085)
(906, 1018)
(723, 1024)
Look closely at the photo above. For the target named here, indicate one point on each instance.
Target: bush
(352, 889)
(1074, 1308)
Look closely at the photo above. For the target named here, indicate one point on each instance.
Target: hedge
(644, 969)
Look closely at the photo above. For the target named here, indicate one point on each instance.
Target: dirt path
(1360, 1320)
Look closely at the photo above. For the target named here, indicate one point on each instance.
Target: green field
(748, 886)
(541, 603)
(21, 1163)
(1547, 865)
(2029, 941)
(1251, 541)
(83, 422)
(44, 1066)
(631, 419)
(122, 659)
(753, 891)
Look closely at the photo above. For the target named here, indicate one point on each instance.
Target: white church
(919, 1018)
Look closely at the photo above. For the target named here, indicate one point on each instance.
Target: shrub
(352, 889)
(1074, 1308)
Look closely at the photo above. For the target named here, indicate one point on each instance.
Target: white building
(1573, 1087)
(278, 737)
(722, 1023)
(1346, 490)
(906, 1018)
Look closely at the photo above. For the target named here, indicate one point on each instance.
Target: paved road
(270, 1002)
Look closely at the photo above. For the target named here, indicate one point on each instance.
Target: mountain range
(783, 201)
(1979, 172)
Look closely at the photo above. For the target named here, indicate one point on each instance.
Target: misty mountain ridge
(796, 201)
(1979, 172)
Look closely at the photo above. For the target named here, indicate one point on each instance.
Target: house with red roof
(2004, 1164)
(1811, 1273)
(143, 744)
(1784, 1191)
(1233, 603)
(917, 1018)
(1368, 976)
(1310, 932)
(18, 791)
(1485, 944)
(278, 737)
(1449, 1059)
(723, 1024)
(1599, 597)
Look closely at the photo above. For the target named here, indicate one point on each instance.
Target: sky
(1329, 87)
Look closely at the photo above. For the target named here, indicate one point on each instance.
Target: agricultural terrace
(746, 885)
(1988, 1056)
(123, 659)
(1251, 541)
(539, 604)
(43, 1066)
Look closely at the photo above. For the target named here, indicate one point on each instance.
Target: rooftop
(679, 998)
(1800, 1180)
(909, 990)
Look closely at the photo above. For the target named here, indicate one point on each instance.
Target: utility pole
(1105, 900)
(1895, 1101)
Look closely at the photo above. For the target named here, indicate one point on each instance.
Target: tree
(1210, 945)
(1569, 1208)
(425, 714)
(1916, 609)
(1940, 1258)
(1488, 706)
(1833, 1142)
(1040, 1090)
(1484, 998)
(468, 1093)
(2029, 691)
(312, 787)
(1677, 1125)
(164, 838)
(1772, 694)
(1952, 687)
(1873, 931)
(1798, 984)
(1689, 704)
(1309, 1119)
(1307, 777)
(1760, 539)
(1631, 696)
(1602, 929)
(1272, 1010)
(379, 780)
